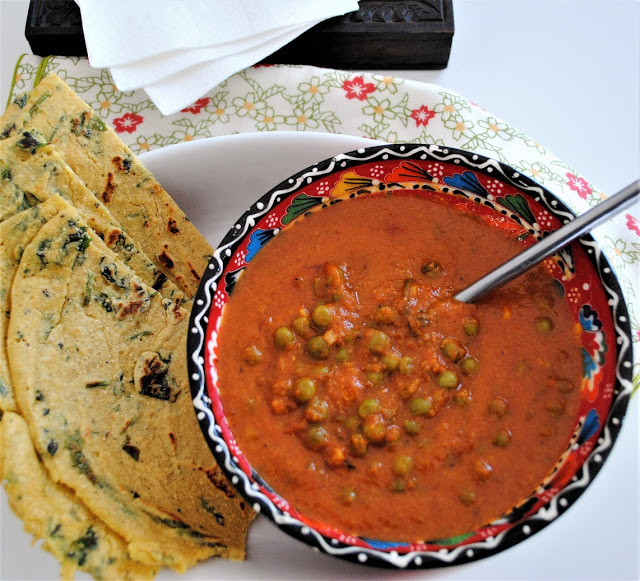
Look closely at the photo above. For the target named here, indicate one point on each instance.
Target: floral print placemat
(304, 98)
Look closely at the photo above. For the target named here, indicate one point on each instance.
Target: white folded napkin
(178, 50)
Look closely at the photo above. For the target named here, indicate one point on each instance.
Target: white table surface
(566, 73)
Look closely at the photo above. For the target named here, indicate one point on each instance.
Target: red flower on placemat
(422, 115)
(356, 88)
(579, 185)
(633, 223)
(198, 106)
(128, 122)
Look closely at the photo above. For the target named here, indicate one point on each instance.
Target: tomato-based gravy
(373, 401)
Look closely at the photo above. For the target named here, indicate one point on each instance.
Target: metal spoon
(551, 244)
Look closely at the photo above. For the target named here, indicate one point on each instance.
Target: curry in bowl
(348, 393)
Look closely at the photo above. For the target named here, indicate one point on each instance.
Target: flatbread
(15, 233)
(52, 513)
(108, 403)
(112, 172)
(32, 171)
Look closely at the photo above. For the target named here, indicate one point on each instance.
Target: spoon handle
(551, 243)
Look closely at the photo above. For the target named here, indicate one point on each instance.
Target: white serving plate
(214, 181)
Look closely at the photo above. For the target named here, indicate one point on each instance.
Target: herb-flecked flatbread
(15, 233)
(108, 402)
(32, 171)
(111, 171)
(52, 513)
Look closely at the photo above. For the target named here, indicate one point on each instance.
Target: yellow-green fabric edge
(14, 80)
(41, 71)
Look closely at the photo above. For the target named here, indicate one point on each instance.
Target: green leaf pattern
(304, 98)
(519, 205)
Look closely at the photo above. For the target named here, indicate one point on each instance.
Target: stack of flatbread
(101, 454)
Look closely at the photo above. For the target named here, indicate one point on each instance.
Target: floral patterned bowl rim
(476, 180)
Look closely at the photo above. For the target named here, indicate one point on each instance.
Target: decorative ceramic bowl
(590, 287)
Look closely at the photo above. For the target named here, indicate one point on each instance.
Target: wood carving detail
(67, 13)
(414, 11)
(354, 40)
(57, 13)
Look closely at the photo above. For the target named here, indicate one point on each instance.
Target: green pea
(544, 324)
(304, 389)
(301, 325)
(320, 373)
(350, 336)
(317, 347)
(390, 361)
(402, 465)
(378, 342)
(253, 355)
(421, 406)
(469, 365)
(375, 377)
(448, 379)
(317, 410)
(322, 316)
(352, 423)
(368, 406)
(471, 326)
(405, 366)
(452, 350)
(317, 437)
(374, 429)
(348, 496)
(283, 337)
(467, 497)
(342, 355)
(503, 438)
(498, 406)
(411, 427)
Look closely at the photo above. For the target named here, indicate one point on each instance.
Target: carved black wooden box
(381, 34)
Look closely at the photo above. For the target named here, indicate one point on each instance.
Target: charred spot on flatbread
(107, 192)
(123, 164)
(172, 226)
(165, 259)
(152, 377)
(220, 482)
